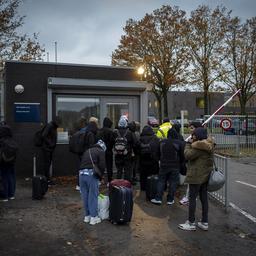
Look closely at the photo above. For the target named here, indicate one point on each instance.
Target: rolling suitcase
(120, 183)
(121, 205)
(39, 184)
(151, 187)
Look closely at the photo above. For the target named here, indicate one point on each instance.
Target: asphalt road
(242, 184)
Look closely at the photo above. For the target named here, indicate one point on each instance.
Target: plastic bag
(103, 207)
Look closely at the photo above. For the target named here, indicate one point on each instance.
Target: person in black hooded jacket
(106, 134)
(49, 137)
(171, 157)
(7, 168)
(124, 161)
(148, 161)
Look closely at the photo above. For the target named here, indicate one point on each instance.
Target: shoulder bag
(216, 179)
(96, 169)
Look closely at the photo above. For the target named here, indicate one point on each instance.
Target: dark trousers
(173, 179)
(194, 190)
(109, 164)
(47, 160)
(8, 181)
(147, 170)
(124, 166)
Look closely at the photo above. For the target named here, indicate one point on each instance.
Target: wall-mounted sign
(225, 123)
(27, 112)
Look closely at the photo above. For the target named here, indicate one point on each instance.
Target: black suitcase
(39, 183)
(151, 187)
(39, 187)
(121, 205)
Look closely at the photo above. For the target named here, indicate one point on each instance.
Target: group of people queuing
(163, 153)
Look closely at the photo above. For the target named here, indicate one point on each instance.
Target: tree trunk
(160, 110)
(242, 106)
(165, 97)
(206, 103)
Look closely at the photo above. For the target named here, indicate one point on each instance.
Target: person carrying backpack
(171, 156)
(8, 152)
(149, 155)
(106, 134)
(124, 143)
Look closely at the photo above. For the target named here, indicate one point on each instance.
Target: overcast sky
(88, 31)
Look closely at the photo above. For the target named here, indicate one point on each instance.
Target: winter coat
(49, 136)
(106, 134)
(91, 131)
(200, 161)
(98, 157)
(148, 137)
(171, 155)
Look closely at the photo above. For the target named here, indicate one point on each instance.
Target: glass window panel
(115, 110)
(71, 108)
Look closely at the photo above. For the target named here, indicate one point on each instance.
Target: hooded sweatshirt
(106, 134)
(49, 135)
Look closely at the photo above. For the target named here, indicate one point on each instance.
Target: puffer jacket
(200, 161)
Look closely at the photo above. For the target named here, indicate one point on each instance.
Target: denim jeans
(173, 179)
(194, 190)
(89, 187)
(8, 180)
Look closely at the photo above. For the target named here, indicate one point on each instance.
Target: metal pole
(47, 56)
(55, 52)
(218, 110)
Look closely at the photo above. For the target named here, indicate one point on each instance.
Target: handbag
(216, 180)
(96, 169)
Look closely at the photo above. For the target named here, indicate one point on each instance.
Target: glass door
(114, 107)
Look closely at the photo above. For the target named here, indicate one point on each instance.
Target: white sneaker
(170, 202)
(184, 201)
(4, 200)
(203, 225)
(12, 198)
(95, 220)
(87, 218)
(188, 226)
(77, 188)
(154, 201)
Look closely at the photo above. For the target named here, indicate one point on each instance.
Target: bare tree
(14, 45)
(240, 68)
(207, 47)
(156, 42)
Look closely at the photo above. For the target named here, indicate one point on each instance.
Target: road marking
(246, 214)
(247, 184)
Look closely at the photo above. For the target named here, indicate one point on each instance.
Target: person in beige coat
(199, 153)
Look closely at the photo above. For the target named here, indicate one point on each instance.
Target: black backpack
(145, 149)
(38, 138)
(77, 142)
(121, 144)
(9, 149)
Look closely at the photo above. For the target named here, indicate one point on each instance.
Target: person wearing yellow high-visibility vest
(164, 128)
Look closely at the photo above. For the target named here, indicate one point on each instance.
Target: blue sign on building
(27, 112)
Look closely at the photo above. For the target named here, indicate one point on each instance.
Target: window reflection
(71, 109)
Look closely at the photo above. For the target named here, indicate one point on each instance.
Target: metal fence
(222, 195)
(239, 138)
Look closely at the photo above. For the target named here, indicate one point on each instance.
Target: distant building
(193, 102)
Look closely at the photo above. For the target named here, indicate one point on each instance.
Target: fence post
(226, 184)
(237, 145)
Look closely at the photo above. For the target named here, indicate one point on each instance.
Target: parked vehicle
(152, 121)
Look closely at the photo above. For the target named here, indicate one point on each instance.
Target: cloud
(87, 31)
